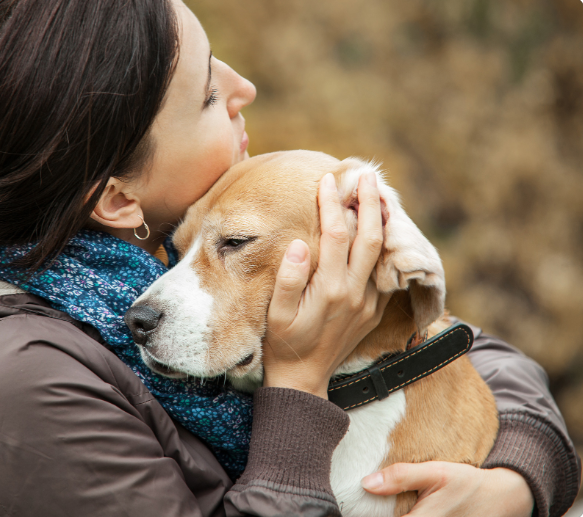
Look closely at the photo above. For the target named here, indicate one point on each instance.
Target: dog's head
(207, 316)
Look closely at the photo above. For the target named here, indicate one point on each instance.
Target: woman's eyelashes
(212, 97)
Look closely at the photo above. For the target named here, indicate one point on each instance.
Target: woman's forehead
(188, 87)
(193, 38)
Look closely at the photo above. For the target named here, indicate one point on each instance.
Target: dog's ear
(408, 261)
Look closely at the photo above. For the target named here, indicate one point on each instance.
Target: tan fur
(450, 415)
(241, 203)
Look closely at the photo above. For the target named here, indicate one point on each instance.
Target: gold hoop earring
(145, 226)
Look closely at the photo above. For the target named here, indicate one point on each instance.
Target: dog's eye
(234, 243)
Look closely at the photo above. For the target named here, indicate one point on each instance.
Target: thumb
(290, 283)
(403, 477)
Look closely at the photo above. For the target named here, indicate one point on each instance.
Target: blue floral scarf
(95, 280)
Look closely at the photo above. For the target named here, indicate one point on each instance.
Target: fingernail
(371, 177)
(330, 182)
(296, 252)
(373, 481)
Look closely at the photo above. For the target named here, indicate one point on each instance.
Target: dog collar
(397, 371)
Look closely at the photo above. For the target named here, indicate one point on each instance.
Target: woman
(114, 118)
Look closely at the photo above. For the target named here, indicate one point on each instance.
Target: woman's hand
(455, 490)
(312, 329)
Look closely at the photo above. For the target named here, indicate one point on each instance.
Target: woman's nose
(142, 320)
(243, 94)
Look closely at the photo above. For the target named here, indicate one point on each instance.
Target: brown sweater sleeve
(81, 435)
(533, 438)
(293, 439)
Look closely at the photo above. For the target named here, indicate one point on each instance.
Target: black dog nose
(142, 320)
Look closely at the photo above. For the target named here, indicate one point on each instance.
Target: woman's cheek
(219, 157)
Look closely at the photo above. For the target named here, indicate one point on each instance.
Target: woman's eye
(212, 98)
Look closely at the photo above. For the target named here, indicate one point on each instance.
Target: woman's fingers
(290, 283)
(334, 241)
(369, 240)
(455, 490)
(403, 477)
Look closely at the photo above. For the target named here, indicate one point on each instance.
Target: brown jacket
(81, 435)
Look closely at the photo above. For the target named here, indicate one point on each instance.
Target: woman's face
(199, 132)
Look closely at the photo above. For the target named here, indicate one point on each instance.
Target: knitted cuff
(294, 436)
(535, 449)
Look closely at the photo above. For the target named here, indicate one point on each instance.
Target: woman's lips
(244, 142)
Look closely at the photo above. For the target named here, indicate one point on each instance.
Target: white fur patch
(361, 452)
(182, 342)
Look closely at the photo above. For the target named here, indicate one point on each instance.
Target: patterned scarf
(95, 280)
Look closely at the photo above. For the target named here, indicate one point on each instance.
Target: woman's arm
(80, 435)
(532, 455)
(288, 473)
(533, 438)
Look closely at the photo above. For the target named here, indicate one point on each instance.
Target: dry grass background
(475, 107)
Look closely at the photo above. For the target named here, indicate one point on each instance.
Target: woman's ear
(118, 208)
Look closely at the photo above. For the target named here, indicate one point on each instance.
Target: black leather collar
(393, 373)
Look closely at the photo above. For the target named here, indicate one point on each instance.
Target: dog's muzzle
(142, 322)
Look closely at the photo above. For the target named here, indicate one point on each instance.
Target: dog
(207, 316)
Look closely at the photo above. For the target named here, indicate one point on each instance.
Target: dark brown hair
(80, 84)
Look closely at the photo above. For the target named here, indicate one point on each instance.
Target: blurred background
(475, 108)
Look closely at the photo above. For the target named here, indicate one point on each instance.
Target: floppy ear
(408, 261)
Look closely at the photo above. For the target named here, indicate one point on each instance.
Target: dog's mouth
(158, 367)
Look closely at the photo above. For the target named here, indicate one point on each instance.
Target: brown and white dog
(207, 316)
